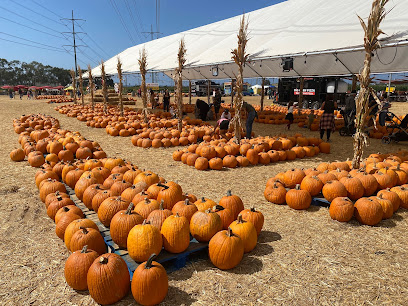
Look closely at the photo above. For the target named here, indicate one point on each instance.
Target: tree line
(20, 73)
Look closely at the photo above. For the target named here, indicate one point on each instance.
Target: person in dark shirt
(252, 114)
(166, 101)
(217, 102)
(351, 103)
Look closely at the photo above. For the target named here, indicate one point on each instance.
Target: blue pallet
(171, 262)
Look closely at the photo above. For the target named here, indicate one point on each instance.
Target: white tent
(324, 37)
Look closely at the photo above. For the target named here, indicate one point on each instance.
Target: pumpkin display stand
(171, 262)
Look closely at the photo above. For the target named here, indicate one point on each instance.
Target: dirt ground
(302, 258)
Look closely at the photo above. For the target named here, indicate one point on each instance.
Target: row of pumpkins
(163, 217)
(217, 154)
(60, 99)
(371, 193)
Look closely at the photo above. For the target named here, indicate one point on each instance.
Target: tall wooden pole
(179, 83)
(300, 101)
(104, 89)
(143, 69)
(119, 67)
(73, 85)
(91, 86)
(208, 91)
(189, 92)
(81, 85)
(354, 83)
(263, 94)
(232, 92)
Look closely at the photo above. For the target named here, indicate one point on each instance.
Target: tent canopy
(324, 37)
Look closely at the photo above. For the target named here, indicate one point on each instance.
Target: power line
(87, 56)
(31, 28)
(92, 49)
(133, 19)
(121, 20)
(45, 8)
(95, 43)
(44, 16)
(14, 13)
(138, 17)
(25, 39)
(20, 43)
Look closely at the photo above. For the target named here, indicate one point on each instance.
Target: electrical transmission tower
(72, 19)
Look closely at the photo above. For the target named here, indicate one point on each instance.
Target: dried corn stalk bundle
(119, 66)
(73, 84)
(179, 83)
(81, 85)
(143, 69)
(371, 43)
(240, 57)
(91, 86)
(104, 88)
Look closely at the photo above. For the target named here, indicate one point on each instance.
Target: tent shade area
(320, 38)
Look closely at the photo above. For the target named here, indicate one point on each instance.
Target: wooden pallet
(172, 262)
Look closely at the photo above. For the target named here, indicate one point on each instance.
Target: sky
(25, 23)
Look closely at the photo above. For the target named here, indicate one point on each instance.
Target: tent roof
(324, 37)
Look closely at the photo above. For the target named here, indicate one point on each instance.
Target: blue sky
(103, 25)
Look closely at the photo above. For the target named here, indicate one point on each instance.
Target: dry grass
(303, 257)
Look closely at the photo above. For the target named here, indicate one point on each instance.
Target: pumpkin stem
(147, 201)
(129, 209)
(84, 229)
(59, 198)
(218, 208)
(103, 260)
(187, 202)
(148, 264)
(66, 209)
(297, 187)
(239, 219)
(84, 249)
(253, 209)
(229, 232)
(229, 193)
(161, 205)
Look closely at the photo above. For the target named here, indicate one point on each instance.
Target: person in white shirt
(226, 114)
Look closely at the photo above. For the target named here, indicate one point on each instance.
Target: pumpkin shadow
(176, 296)
(397, 217)
(262, 249)
(248, 265)
(387, 223)
(268, 236)
(314, 208)
(81, 292)
(193, 266)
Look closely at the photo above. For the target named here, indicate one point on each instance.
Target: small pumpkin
(402, 193)
(312, 184)
(77, 266)
(275, 194)
(341, 209)
(108, 279)
(176, 233)
(225, 214)
(74, 226)
(122, 223)
(246, 231)
(298, 199)
(392, 196)
(388, 208)
(254, 216)
(150, 282)
(185, 208)
(204, 225)
(143, 240)
(109, 208)
(87, 236)
(145, 207)
(226, 249)
(354, 187)
(203, 204)
(233, 203)
(334, 189)
(368, 211)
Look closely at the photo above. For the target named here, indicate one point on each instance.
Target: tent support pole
(189, 91)
(232, 92)
(302, 82)
(389, 86)
(208, 90)
(262, 94)
(339, 60)
(354, 83)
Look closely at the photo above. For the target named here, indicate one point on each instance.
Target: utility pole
(72, 19)
(151, 32)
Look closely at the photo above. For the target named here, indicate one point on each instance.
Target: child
(172, 112)
(289, 115)
(311, 118)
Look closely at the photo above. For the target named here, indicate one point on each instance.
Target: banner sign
(306, 92)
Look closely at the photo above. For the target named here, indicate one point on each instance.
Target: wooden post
(263, 94)
(302, 82)
(208, 91)
(354, 83)
(189, 92)
(81, 85)
(232, 92)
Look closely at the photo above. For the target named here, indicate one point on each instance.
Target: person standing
(289, 115)
(327, 120)
(11, 93)
(217, 102)
(20, 92)
(251, 115)
(166, 100)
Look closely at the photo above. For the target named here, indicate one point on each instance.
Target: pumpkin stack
(370, 194)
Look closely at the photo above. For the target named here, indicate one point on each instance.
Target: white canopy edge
(324, 37)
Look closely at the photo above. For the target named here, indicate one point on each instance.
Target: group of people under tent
(327, 123)
(204, 112)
